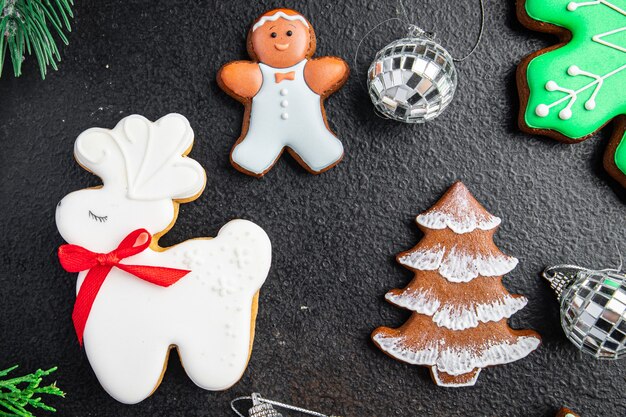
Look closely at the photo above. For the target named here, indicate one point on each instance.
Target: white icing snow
(458, 266)
(456, 317)
(469, 383)
(422, 302)
(424, 259)
(463, 220)
(458, 361)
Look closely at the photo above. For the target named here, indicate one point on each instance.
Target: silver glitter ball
(593, 309)
(412, 80)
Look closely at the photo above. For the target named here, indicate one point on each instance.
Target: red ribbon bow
(280, 76)
(75, 258)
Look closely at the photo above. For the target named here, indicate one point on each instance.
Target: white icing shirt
(286, 114)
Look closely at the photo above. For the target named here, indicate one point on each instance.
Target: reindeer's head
(144, 172)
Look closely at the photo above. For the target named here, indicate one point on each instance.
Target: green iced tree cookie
(571, 90)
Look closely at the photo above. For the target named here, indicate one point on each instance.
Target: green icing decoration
(580, 86)
(620, 154)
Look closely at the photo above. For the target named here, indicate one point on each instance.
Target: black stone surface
(335, 235)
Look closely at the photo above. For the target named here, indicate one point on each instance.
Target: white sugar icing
(457, 317)
(458, 266)
(461, 221)
(423, 302)
(132, 325)
(278, 15)
(207, 314)
(458, 361)
(272, 128)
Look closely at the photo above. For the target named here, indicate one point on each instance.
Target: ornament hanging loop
(561, 276)
(417, 32)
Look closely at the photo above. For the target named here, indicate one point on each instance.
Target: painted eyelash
(100, 219)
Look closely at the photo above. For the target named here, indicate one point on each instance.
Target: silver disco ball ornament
(593, 309)
(412, 80)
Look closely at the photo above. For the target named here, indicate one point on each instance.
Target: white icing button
(284, 92)
(284, 116)
(284, 103)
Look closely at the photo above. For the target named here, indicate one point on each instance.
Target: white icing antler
(143, 157)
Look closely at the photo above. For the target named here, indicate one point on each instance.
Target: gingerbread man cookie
(136, 300)
(283, 90)
(566, 412)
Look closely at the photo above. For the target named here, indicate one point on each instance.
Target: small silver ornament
(262, 407)
(593, 308)
(413, 79)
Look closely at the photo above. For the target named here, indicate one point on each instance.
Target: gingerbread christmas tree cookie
(460, 307)
(283, 90)
(571, 90)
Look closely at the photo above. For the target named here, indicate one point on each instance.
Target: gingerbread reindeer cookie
(137, 300)
(283, 90)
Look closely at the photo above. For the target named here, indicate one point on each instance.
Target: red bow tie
(280, 76)
(74, 258)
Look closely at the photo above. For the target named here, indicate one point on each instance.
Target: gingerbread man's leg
(318, 149)
(257, 152)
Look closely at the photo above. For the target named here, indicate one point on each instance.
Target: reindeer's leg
(128, 369)
(216, 357)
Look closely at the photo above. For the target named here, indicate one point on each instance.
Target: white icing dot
(284, 103)
(284, 92)
(284, 116)
(542, 110)
(590, 104)
(565, 114)
(573, 70)
(571, 6)
(551, 85)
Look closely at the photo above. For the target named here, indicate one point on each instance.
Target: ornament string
(416, 30)
(481, 29)
(552, 271)
(257, 398)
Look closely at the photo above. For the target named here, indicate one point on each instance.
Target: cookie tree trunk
(460, 307)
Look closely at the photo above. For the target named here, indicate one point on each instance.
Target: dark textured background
(335, 235)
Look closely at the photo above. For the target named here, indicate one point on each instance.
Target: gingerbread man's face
(282, 42)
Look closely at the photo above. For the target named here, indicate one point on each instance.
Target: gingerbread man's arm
(326, 75)
(240, 79)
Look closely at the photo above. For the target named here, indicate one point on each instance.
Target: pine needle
(20, 393)
(30, 27)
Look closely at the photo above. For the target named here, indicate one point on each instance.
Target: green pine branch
(19, 394)
(29, 27)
